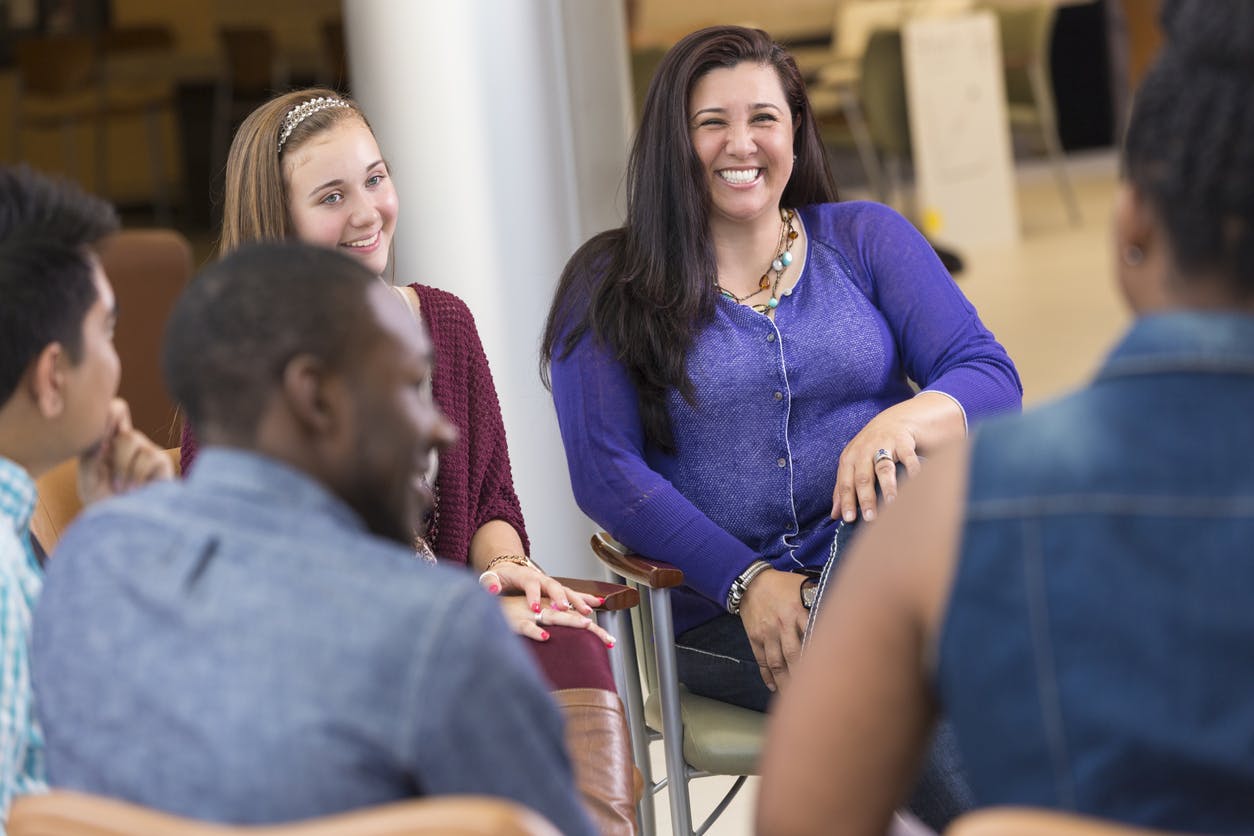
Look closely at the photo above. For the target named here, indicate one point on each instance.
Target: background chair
(700, 736)
(68, 81)
(135, 84)
(148, 269)
(59, 87)
(77, 814)
(1025, 40)
(1024, 821)
(253, 71)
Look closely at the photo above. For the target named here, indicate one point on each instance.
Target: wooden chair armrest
(651, 573)
(617, 596)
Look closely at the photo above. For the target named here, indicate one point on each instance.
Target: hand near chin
(124, 459)
(535, 620)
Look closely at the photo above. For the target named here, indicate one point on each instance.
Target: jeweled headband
(303, 111)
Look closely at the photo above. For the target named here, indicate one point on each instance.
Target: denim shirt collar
(1184, 341)
(243, 472)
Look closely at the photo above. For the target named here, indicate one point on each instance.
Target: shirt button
(782, 462)
(779, 396)
(770, 338)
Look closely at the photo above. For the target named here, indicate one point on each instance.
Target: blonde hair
(255, 205)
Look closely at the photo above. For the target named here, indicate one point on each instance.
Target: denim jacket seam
(1043, 659)
(1129, 504)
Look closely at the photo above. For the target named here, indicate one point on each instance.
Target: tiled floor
(1052, 302)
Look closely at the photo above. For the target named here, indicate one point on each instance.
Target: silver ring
(882, 455)
(540, 616)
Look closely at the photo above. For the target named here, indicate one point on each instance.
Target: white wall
(506, 124)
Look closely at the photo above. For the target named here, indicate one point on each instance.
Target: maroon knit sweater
(475, 483)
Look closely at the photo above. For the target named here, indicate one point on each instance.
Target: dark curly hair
(1189, 147)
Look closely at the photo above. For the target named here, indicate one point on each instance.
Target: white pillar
(506, 124)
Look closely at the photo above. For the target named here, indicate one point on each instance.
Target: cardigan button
(779, 396)
(782, 462)
(770, 338)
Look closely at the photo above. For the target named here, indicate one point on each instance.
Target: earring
(1133, 255)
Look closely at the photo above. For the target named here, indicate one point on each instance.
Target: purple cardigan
(776, 402)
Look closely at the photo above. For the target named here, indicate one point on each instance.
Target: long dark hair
(1189, 148)
(643, 290)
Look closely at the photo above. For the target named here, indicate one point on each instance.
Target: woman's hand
(124, 459)
(534, 623)
(775, 620)
(901, 431)
(534, 586)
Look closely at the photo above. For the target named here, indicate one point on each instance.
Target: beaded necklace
(787, 234)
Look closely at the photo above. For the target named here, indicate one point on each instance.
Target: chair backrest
(857, 19)
(148, 269)
(62, 813)
(57, 65)
(1025, 821)
(882, 89)
(59, 502)
(251, 55)
(1025, 35)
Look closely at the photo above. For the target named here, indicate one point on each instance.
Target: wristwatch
(738, 586)
(809, 591)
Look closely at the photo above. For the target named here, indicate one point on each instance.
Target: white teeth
(740, 175)
(365, 242)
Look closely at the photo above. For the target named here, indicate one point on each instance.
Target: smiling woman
(732, 368)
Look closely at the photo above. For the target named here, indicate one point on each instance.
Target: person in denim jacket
(1071, 588)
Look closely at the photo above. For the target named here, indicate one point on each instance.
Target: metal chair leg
(672, 725)
(156, 156)
(1053, 148)
(627, 680)
(852, 110)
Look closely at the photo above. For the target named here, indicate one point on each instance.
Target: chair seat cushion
(719, 738)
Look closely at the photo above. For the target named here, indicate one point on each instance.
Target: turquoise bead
(772, 302)
(786, 258)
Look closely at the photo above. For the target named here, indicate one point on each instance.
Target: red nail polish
(553, 605)
(544, 635)
(535, 607)
(494, 589)
(600, 601)
(610, 643)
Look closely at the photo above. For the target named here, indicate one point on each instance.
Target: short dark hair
(46, 290)
(1189, 147)
(34, 205)
(242, 320)
(644, 289)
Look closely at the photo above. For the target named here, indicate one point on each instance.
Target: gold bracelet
(517, 559)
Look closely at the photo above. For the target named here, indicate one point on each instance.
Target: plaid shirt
(21, 742)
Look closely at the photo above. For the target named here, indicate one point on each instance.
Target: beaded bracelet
(516, 559)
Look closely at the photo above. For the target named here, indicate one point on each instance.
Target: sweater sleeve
(614, 485)
(497, 498)
(469, 397)
(943, 344)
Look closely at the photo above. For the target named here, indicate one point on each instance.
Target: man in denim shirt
(258, 643)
